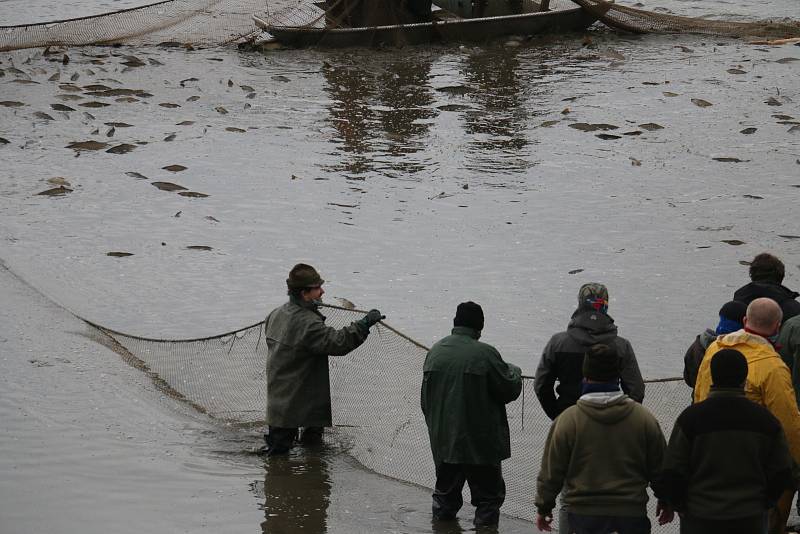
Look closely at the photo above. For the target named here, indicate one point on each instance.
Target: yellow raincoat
(769, 382)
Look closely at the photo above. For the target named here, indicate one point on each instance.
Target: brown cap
(303, 276)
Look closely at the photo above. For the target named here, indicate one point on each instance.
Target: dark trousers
(486, 486)
(744, 525)
(280, 440)
(606, 524)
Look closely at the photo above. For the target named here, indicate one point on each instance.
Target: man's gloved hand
(372, 317)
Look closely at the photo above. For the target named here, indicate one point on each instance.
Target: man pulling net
(299, 343)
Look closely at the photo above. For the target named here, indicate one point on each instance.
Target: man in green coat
(465, 389)
(299, 343)
(788, 346)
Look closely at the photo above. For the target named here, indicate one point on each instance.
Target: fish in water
(124, 148)
(168, 186)
(87, 145)
(174, 168)
(56, 191)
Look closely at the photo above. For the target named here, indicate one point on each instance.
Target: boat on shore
(444, 27)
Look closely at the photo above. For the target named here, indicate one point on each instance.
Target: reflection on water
(391, 101)
(405, 90)
(297, 492)
(499, 122)
(384, 107)
(454, 527)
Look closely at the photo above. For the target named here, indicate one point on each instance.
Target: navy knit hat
(728, 369)
(470, 315)
(731, 317)
(601, 364)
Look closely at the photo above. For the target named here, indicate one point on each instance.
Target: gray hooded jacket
(562, 361)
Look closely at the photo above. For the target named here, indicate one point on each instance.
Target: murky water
(414, 179)
(15, 12)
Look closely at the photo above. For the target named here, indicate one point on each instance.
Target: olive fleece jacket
(603, 452)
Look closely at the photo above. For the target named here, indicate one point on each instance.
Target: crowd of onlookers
(731, 462)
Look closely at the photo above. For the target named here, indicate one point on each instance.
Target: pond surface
(414, 179)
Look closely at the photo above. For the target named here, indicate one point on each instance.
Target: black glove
(372, 317)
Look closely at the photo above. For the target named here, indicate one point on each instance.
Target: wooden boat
(456, 29)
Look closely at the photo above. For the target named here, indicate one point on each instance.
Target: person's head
(767, 268)
(728, 369)
(763, 317)
(601, 364)
(470, 315)
(731, 317)
(305, 283)
(593, 296)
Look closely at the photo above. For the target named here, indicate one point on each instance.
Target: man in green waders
(299, 343)
(465, 389)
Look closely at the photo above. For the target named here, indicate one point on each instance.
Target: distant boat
(445, 27)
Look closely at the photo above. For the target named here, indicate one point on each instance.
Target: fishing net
(181, 22)
(641, 21)
(219, 22)
(375, 393)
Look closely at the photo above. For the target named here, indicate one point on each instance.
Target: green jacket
(465, 389)
(603, 452)
(299, 343)
(789, 343)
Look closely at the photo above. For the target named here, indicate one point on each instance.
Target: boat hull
(451, 30)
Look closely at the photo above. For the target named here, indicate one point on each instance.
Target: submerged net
(375, 393)
(219, 22)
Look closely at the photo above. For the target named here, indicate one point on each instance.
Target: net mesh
(182, 22)
(641, 21)
(219, 22)
(375, 398)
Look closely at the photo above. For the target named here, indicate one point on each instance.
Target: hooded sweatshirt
(562, 361)
(784, 296)
(694, 356)
(603, 451)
